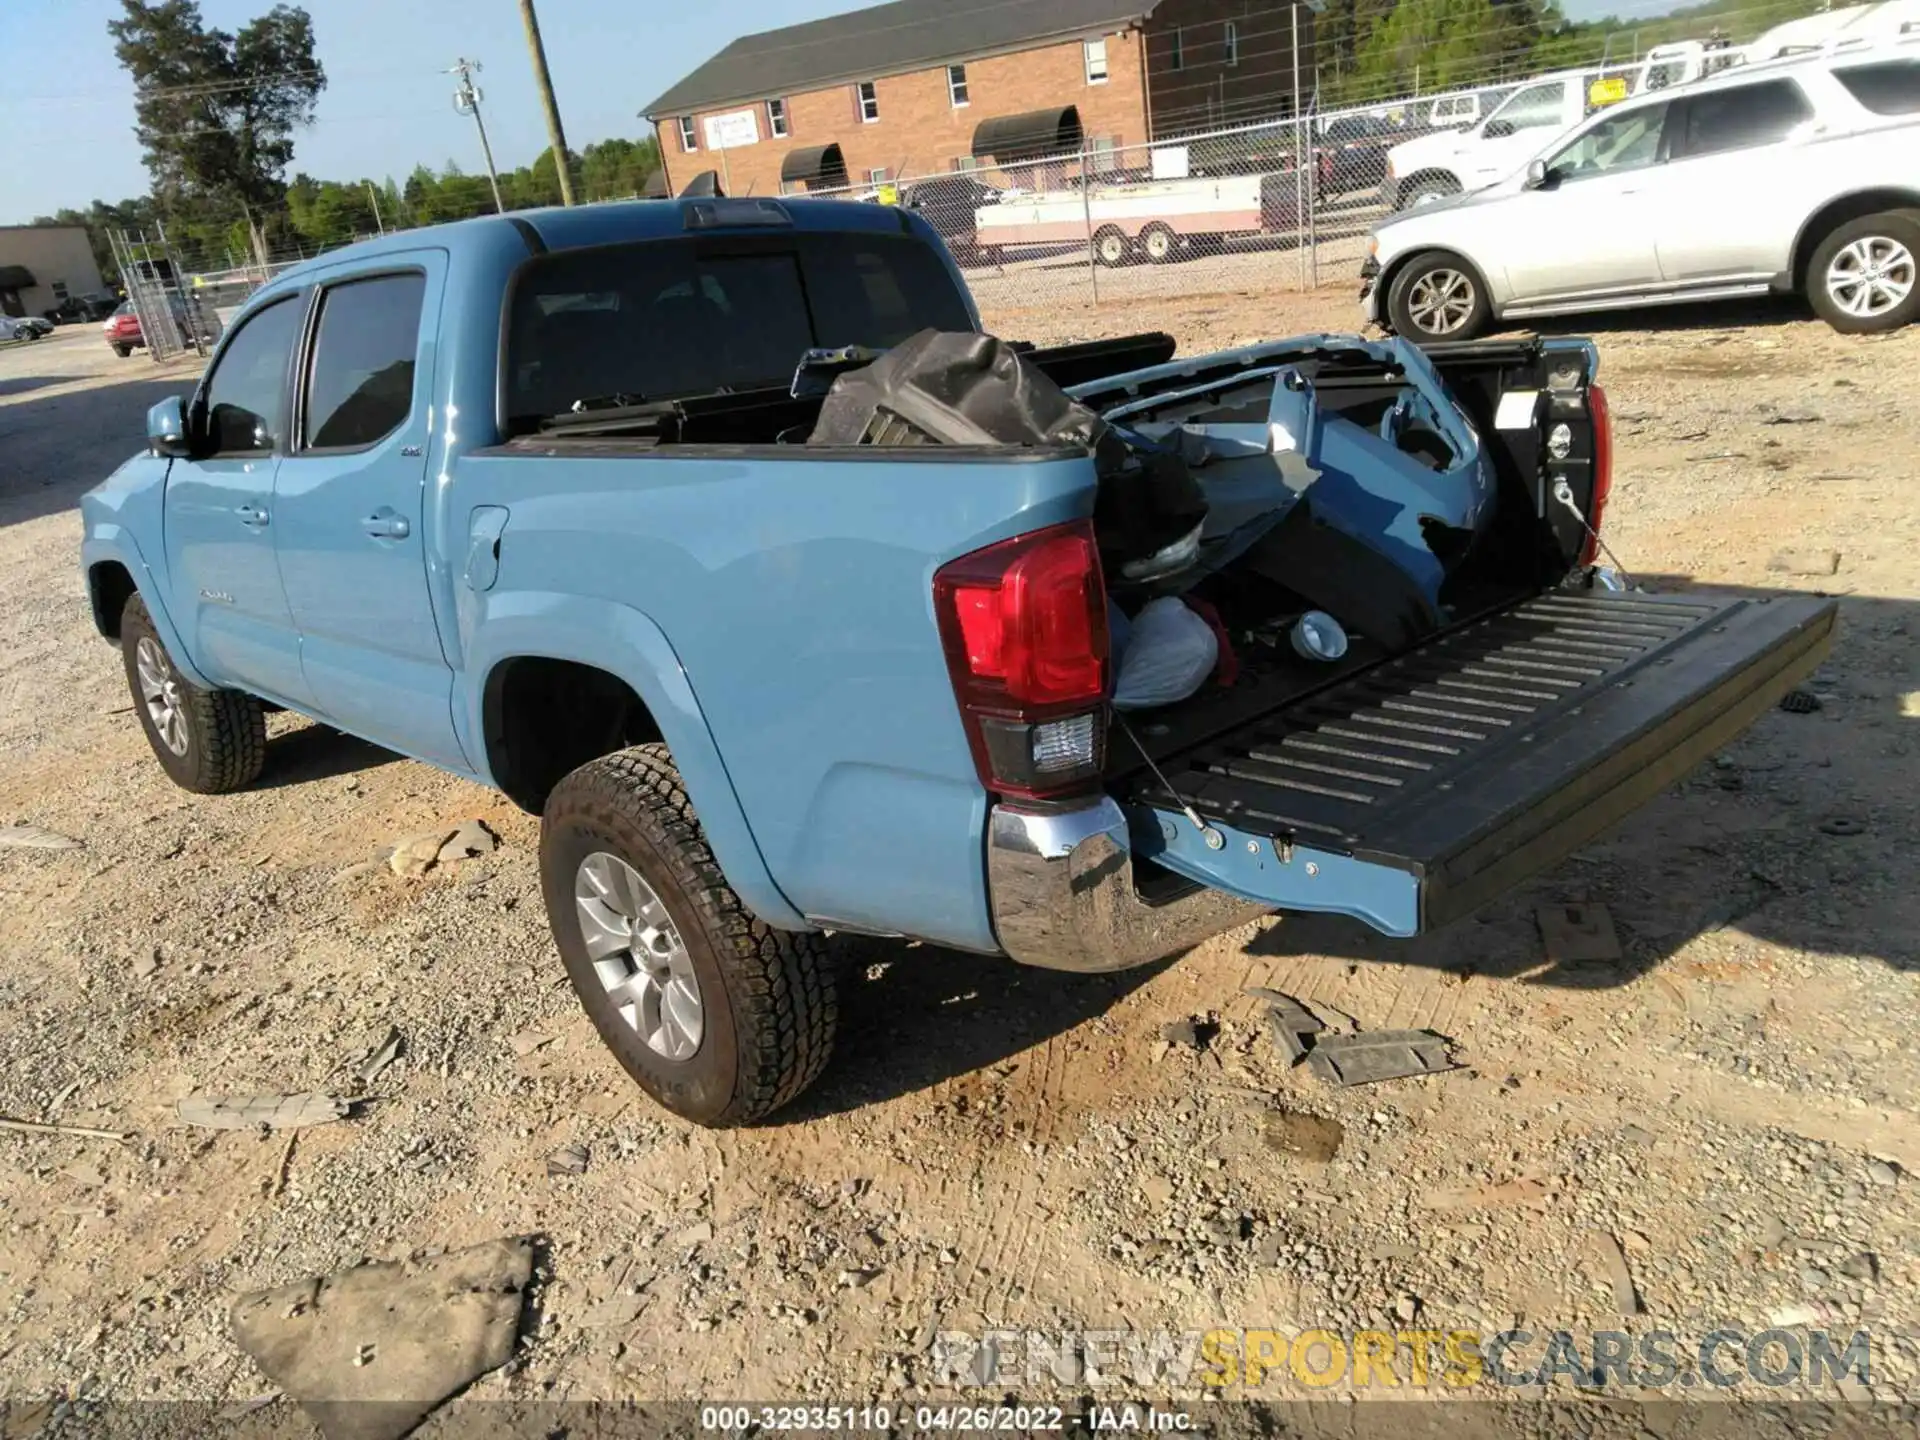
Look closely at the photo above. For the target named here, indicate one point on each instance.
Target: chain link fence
(172, 320)
(1274, 206)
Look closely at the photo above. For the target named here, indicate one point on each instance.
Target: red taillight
(1024, 624)
(1602, 418)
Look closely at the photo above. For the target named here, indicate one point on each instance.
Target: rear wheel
(1426, 190)
(208, 741)
(1862, 277)
(719, 1017)
(1110, 247)
(123, 351)
(1157, 244)
(1438, 297)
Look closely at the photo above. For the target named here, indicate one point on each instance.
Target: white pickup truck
(1452, 162)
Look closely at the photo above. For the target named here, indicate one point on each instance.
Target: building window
(867, 100)
(1233, 43)
(1105, 162)
(965, 162)
(689, 142)
(1179, 61)
(878, 176)
(777, 118)
(1096, 61)
(957, 86)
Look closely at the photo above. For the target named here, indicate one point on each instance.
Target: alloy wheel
(160, 693)
(638, 955)
(1871, 276)
(1440, 301)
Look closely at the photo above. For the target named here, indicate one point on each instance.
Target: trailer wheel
(1157, 244)
(1110, 247)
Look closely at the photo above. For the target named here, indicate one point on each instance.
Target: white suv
(1799, 175)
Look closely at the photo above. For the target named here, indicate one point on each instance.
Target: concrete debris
(263, 1112)
(470, 840)
(699, 1233)
(369, 1352)
(1377, 1055)
(145, 964)
(857, 1279)
(1614, 1261)
(1882, 1173)
(1864, 1266)
(568, 1160)
(417, 854)
(1577, 934)
(528, 1041)
(32, 837)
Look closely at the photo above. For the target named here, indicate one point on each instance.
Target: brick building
(917, 87)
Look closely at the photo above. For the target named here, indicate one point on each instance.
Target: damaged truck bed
(795, 603)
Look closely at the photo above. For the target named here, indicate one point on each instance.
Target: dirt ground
(1735, 1101)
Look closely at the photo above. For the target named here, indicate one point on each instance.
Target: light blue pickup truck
(714, 532)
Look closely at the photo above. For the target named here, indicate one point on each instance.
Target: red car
(123, 326)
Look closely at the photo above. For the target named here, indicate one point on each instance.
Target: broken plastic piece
(271, 1112)
(1379, 1055)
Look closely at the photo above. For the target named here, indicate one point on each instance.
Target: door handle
(252, 514)
(385, 524)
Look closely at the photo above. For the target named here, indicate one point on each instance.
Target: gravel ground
(1735, 1102)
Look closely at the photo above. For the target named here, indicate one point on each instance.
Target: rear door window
(1892, 88)
(1535, 108)
(1741, 117)
(360, 386)
(668, 319)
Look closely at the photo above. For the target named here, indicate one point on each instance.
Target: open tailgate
(1414, 791)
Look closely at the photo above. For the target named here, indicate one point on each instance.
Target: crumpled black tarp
(963, 388)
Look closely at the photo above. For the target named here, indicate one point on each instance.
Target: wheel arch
(116, 571)
(1837, 212)
(615, 657)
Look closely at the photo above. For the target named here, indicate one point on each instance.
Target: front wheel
(1438, 297)
(1862, 277)
(1110, 248)
(123, 351)
(208, 741)
(1425, 192)
(719, 1017)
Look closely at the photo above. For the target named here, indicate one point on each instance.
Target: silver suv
(1790, 176)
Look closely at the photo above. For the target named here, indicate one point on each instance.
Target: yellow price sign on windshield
(888, 194)
(1610, 91)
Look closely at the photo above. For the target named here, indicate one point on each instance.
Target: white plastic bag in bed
(1169, 655)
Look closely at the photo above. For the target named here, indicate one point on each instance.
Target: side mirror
(1538, 174)
(167, 429)
(1497, 130)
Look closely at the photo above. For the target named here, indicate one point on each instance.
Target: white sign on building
(732, 130)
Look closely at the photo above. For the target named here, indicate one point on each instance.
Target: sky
(66, 109)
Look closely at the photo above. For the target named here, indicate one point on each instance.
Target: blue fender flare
(113, 544)
(628, 644)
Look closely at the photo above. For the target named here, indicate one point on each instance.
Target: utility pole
(541, 79)
(374, 196)
(466, 100)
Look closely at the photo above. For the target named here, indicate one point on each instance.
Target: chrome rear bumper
(1063, 895)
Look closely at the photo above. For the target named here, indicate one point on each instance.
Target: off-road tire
(1401, 296)
(1901, 227)
(226, 730)
(769, 999)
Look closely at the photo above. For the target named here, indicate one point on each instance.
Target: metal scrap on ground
(369, 1352)
(270, 1112)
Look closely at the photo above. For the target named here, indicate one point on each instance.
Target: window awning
(818, 167)
(655, 186)
(15, 277)
(1028, 136)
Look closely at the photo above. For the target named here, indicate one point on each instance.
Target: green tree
(216, 112)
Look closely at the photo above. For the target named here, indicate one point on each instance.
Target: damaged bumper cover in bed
(1410, 793)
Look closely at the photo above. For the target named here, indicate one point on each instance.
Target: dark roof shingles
(882, 40)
